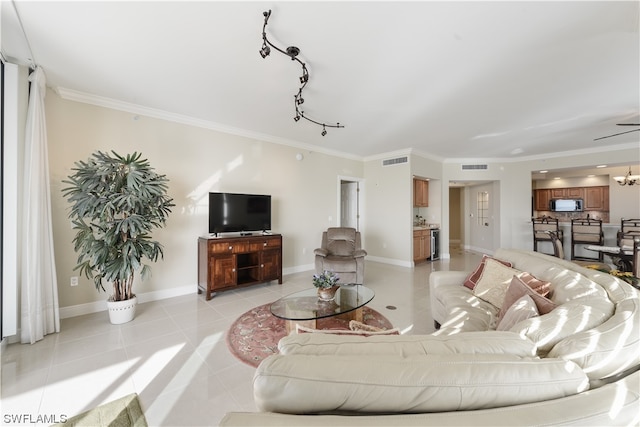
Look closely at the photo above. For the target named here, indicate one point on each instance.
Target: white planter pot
(122, 311)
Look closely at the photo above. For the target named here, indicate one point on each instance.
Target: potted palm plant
(116, 201)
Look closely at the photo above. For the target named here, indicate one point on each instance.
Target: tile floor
(173, 354)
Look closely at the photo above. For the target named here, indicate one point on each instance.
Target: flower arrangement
(327, 279)
(624, 275)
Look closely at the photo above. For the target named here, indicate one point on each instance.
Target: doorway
(350, 202)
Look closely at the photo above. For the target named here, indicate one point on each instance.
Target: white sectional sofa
(576, 364)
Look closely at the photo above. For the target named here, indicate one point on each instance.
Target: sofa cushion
(541, 287)
(474, 276)
(494, 281)
(522, 309)
(609, 348)
(408, 345)
(310, 384)
(516, 290)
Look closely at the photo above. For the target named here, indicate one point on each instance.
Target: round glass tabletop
(305, 305)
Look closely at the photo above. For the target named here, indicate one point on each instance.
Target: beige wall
(305, 198)
(197, 161)
(389, 210)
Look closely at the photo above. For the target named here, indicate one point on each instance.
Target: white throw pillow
(523, 309)
(494, 282)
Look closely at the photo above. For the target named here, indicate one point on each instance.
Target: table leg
(291, 324)
(352, 315)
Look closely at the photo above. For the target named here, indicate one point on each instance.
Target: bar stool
(629, 231)
(541, 228)
(586, 231)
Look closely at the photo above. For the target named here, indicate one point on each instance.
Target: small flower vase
(327, 294)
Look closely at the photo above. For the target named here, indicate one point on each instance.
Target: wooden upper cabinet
(575, 193)
(420, 193)
(567, 193)
(542, 198)
(596, 198)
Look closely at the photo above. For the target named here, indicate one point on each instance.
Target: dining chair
(541, 227)
(586, 231)
(629, 231)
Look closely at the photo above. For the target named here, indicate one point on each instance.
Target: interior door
(481, 222)
(349, 204)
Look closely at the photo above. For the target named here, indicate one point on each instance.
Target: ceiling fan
(622, 133)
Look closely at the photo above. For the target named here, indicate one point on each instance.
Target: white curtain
(39, 291)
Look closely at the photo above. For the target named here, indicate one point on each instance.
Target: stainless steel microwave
(566, 205)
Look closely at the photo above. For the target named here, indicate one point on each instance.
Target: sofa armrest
(453, 278)
(301, 384)
(404, 346)
(359, 253)
(321, 252)
(614, 404)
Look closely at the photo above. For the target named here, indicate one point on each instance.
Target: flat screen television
(244, 213)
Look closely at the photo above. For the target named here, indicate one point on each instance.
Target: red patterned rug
(254, 336)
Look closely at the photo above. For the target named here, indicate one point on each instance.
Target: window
(483, 208)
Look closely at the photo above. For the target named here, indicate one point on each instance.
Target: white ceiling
(466, 80)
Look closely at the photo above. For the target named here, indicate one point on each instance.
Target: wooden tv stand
(226, 263)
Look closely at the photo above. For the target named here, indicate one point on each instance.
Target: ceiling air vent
(396, 161)
(474, 167)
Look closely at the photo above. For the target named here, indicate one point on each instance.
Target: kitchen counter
(425, 227)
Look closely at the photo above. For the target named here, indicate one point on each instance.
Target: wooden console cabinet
(230, 262)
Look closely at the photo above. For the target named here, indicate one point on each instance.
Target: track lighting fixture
(293, 53)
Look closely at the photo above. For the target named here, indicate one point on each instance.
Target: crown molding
(114, 104)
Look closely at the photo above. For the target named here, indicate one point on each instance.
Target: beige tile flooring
(173, 354)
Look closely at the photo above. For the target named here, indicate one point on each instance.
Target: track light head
(265, 51)
(296, 118)
(324, 131)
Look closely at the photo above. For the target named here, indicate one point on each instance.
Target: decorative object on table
(116, 201)
(327, 284)
(627, 276)
(255, 334)
(293, 52)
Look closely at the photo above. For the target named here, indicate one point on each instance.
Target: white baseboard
(392, 261)
(97, 306)
(298, 269)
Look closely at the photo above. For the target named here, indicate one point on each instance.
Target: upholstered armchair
(341, 252)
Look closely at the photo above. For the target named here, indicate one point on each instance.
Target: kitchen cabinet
(542, 198)
(421, 245)
(420, 193)
(596, 198)
(567, 193)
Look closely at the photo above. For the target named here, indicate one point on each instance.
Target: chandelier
(628, 179)
(293, 52)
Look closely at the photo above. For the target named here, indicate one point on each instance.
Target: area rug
(123, 412)
(254, 336)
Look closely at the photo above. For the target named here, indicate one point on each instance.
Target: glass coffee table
(304, 307)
